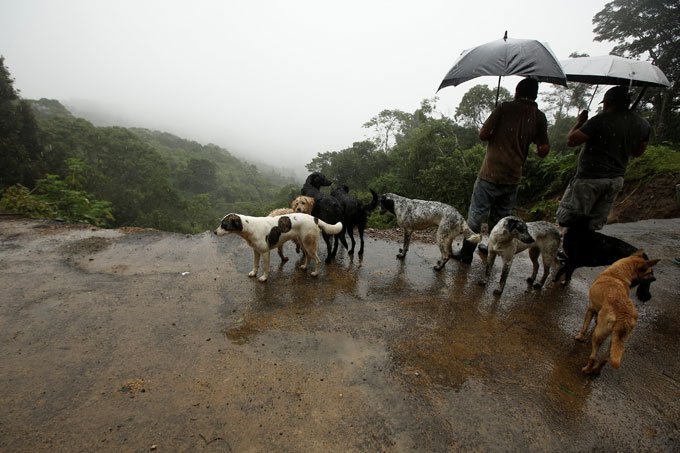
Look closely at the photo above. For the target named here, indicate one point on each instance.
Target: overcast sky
(279, 81)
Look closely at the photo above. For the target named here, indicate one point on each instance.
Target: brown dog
(616, 314)
(303, 204)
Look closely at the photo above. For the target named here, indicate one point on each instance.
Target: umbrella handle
(593, 96)
(637, 101)
(498, 89)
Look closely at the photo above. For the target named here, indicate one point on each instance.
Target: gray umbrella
(504, 57)
(614, 70)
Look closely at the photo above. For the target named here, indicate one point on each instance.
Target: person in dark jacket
(509, 131)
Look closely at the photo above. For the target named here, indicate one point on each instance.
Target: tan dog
(616, 314)
(303, 204)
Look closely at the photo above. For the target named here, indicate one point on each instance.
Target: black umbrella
(504, 57)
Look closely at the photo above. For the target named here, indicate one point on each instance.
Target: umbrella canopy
(504, 57)
(613, 70)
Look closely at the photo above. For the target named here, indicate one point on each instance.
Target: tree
(387, 125)
(477, 104)
(20, 151)
(648, 28)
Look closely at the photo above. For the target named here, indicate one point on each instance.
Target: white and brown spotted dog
(301, 204)
(278, 212)
(266, 233)
(415, 214)
(512, 235)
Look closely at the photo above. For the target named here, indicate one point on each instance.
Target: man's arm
(489, 125)
(542, 141)
(575, 136)
(637, 152)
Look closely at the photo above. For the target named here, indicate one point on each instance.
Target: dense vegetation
(55, 165)
(111, 176)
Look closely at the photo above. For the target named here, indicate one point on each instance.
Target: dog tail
(616, 350)
(374, 201)
(470, 235)
(328, 228)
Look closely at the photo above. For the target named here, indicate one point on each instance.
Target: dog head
(317, 180)
(518, 230)
(643, 267)
(386, 203)
(303, 204)
(230, 222)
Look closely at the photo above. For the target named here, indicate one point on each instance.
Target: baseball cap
(617, 96)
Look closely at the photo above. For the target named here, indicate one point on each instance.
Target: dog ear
(232, 222)
(638, 252)
(512, 224)
(285, 224)
(651, 263)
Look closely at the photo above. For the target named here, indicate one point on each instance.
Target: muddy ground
(138, 340)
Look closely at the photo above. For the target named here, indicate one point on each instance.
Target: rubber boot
(466, 251)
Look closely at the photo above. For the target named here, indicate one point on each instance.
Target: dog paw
(497, 292)
(252, 273)
(579, 337)
(314, 274)
(284, 259)
(401, 255)
(439, 266)
(303, 267)
(537, 285)
(482, 282)
(530, 280)
(262, 279)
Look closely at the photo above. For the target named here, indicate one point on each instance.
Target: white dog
(266, 233)
(413, 214)
(512, 235)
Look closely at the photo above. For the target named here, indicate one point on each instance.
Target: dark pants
(492, 201)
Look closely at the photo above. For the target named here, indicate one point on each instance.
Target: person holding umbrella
(610, 139)
(509, 131)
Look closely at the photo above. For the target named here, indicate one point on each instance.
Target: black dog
(355, 214)
(586, 248)
(326, 208)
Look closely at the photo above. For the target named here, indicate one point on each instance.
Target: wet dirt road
(141, 340)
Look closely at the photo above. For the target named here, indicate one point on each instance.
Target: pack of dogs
(315, 215)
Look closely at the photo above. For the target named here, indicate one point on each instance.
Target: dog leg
(491, 257)
(444, 242)
(601, 332)
(586, 323)
(404, 249)
(265, 267)
(317, 263)
(309, 247)
(256, 263)
(361, 241)
(504, 276)
(350, 233)
(281, 255)
(533, 255)
(329, 248)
